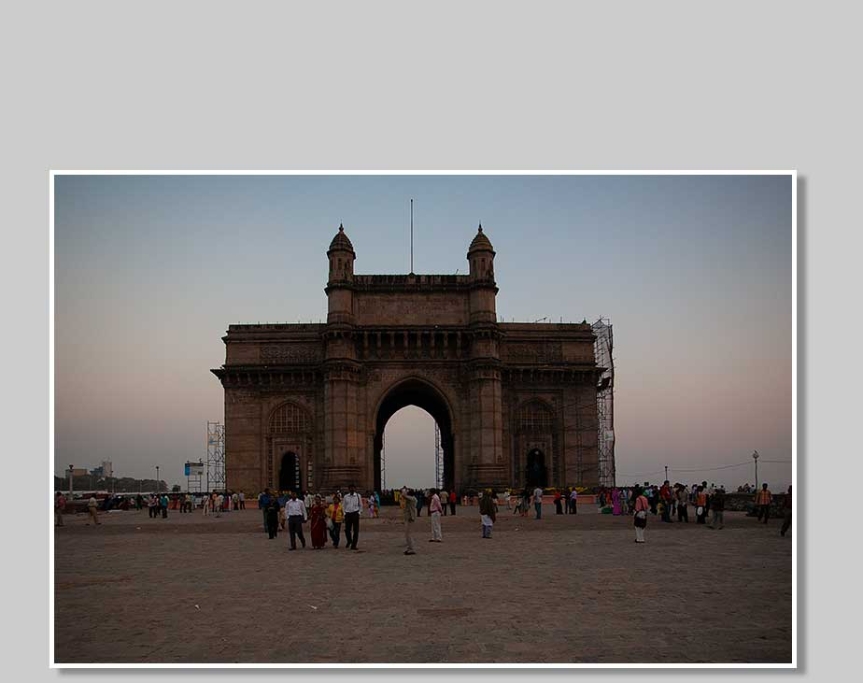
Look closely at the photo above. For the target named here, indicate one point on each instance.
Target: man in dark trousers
(295, 510)
(352, 504)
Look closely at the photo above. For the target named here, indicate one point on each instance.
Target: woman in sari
(317, 517)
(615, 498)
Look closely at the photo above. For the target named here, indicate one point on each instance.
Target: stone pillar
(486, 467)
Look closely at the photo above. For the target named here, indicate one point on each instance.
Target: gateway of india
(515, 403)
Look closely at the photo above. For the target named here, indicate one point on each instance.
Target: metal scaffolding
(438, 459)
(383, 461)
(215, 456)
(604, 352)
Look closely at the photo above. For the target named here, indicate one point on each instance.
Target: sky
(694, 273)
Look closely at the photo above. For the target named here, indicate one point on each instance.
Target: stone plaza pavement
(190, 589)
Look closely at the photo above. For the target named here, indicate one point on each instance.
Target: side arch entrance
(415, 392)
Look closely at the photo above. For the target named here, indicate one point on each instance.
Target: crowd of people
(667, 502)
(327, 515)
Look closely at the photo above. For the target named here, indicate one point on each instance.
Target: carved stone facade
(306, 405)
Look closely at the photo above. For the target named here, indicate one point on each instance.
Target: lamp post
(755, 458)
(158, 483)
(70, 481)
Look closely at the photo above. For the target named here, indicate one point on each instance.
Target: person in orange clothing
(762, 501)
(701, 506)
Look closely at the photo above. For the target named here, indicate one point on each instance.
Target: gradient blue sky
(693, 271)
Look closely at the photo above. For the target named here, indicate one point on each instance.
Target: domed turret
(339, 287)
(341, 242)
(342, 256)
(480, 243)
(480, 255)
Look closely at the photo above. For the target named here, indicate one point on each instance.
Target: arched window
(535, 418)
(289, 418)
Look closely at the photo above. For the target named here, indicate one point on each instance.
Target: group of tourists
(325, 518)
(668, 501)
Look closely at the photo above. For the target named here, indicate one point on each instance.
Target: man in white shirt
(573, 502)
(537, 502)
(92, 507)
(295, 510)
(352, 504)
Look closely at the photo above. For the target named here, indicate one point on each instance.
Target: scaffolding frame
(438, 459)
(216, 477)
(604, 355)
(384, 461)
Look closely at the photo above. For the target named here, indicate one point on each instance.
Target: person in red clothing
(452, 500)
(558, 508)
(665, 496)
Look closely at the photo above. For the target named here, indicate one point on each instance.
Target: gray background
(440, 86)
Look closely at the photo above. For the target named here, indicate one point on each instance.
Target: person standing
(264, 503)
(558, 508)
(786, 512)
(444, 498)
(92, 510)
(615, 502)
(537, 502)
(682, 502)
(152, 503)
(640, 519)
(139, 501)
(272, 512)
(487, 513)
(242, 500)
(717, 508)
(762, 501)
(60, 506)
(701, 506)
(665, 496)
(573, 502)
(421, 499)
(318, 523)
(337, 516)
(435, 510)
(295, 510)
(409, 513)
(371, 502)
(452, 501)
(235, 500)
(352, 505)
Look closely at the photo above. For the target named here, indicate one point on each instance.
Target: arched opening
(414, 392)
(290, 478)
(536, 474)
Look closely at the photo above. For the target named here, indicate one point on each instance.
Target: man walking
(487, 512)
(573, 502)
(537, 502)
(762, 501)
(435, 510)
(786, 511)
(717, 507)
(409, 512)
(92, 510)
(452, 499)
(352, 505)
(295, 510)
(444, 498)
(263, 504)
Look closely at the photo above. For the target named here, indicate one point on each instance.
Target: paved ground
(562, 589)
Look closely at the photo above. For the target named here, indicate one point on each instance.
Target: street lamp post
(755, 458)
(158, 482)
(70, 481)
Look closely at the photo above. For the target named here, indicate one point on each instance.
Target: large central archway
(416, 392)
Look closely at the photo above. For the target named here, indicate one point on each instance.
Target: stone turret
(480, 256)
(339, 291)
